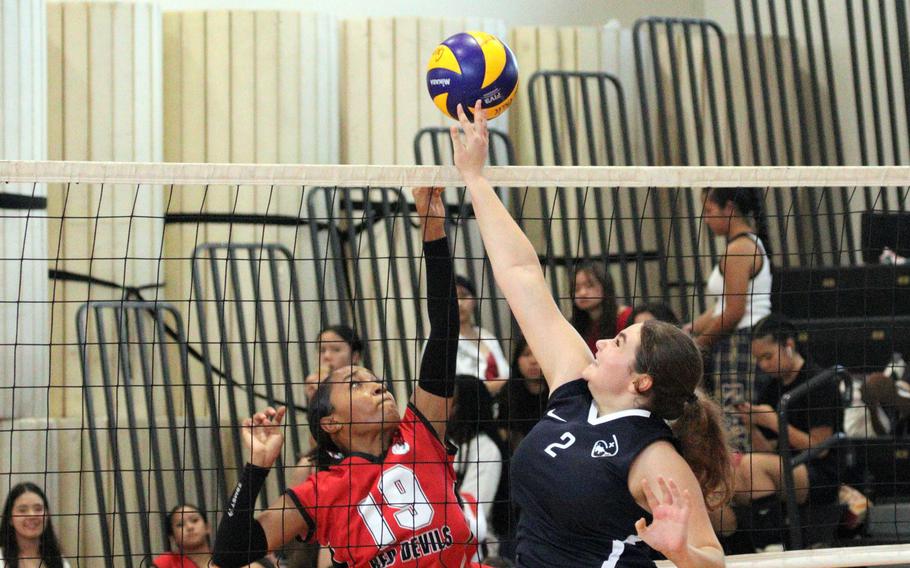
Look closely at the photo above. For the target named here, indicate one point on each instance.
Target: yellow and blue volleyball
(469, 66)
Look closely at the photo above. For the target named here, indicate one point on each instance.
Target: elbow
(731, 317)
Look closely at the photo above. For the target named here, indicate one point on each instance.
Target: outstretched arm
(559, 348)
(435, 383)
(241, 538)
(662, 482)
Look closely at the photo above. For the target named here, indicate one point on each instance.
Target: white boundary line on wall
(396, 176)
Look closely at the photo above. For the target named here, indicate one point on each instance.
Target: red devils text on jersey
(397, 510)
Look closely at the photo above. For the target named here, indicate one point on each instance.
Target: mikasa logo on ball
(440, 82)
(492, 96)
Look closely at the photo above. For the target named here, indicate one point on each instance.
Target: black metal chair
(813, 522)
(150, 448)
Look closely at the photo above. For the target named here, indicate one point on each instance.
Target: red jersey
(173, 560)
(398, 510)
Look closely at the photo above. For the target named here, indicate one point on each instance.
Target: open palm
(262, 436)
(668, 531)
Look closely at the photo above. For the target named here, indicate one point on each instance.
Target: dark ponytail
(750, 202)
(674, 363)
(703, 443)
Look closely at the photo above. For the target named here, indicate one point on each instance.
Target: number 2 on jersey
(400, 490)
(568, 440)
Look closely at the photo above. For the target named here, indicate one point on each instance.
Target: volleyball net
(148, 308)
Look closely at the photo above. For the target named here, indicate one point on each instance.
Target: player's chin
(588, 372)
(390, 410)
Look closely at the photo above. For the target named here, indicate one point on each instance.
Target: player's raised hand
(263, 437)
(668, 531)
(430, 211)
(471, 153)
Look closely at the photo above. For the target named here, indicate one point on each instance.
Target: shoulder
(743, 244)
(415, 426)
(320, 484)
(166, 560)
(659, 457)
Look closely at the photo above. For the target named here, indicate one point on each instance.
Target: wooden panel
(383, 101)
(429, 33)
(410, 88)
(355, 92)
(102, 70)
(77, 230)
(293, 33)
(250, 86)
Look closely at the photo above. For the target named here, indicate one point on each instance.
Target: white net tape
(519, 176)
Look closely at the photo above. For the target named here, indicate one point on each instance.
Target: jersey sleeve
(416, 429)
(304, 497)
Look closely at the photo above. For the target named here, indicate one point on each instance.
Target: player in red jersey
(384, 494)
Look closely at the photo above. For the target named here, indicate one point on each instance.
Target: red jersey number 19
(401, 491)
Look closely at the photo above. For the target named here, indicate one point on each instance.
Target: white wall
(23, 273)
(514, 12)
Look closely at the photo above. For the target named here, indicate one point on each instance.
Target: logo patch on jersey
(401, 448)
(552, 415)
(604, 449)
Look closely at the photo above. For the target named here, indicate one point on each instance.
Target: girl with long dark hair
(602, 478)
(523, 401)
(27, 535)
(596, 313)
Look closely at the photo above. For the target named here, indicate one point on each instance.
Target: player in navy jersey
(384, 495)
(602, 477)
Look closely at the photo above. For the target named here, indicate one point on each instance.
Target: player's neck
(608, 403)
(793, 373)
(28, 547)
(201, 559)
(372, 443)
(738, 226)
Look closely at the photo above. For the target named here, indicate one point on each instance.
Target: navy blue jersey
(570, 479)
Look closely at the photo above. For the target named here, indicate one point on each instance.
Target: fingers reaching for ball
(470, 150)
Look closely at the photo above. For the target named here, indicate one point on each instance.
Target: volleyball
(469, 66)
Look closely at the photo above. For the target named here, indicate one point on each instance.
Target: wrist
(434, 232)
(681, 558)
(471, 178)
(262, 461)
